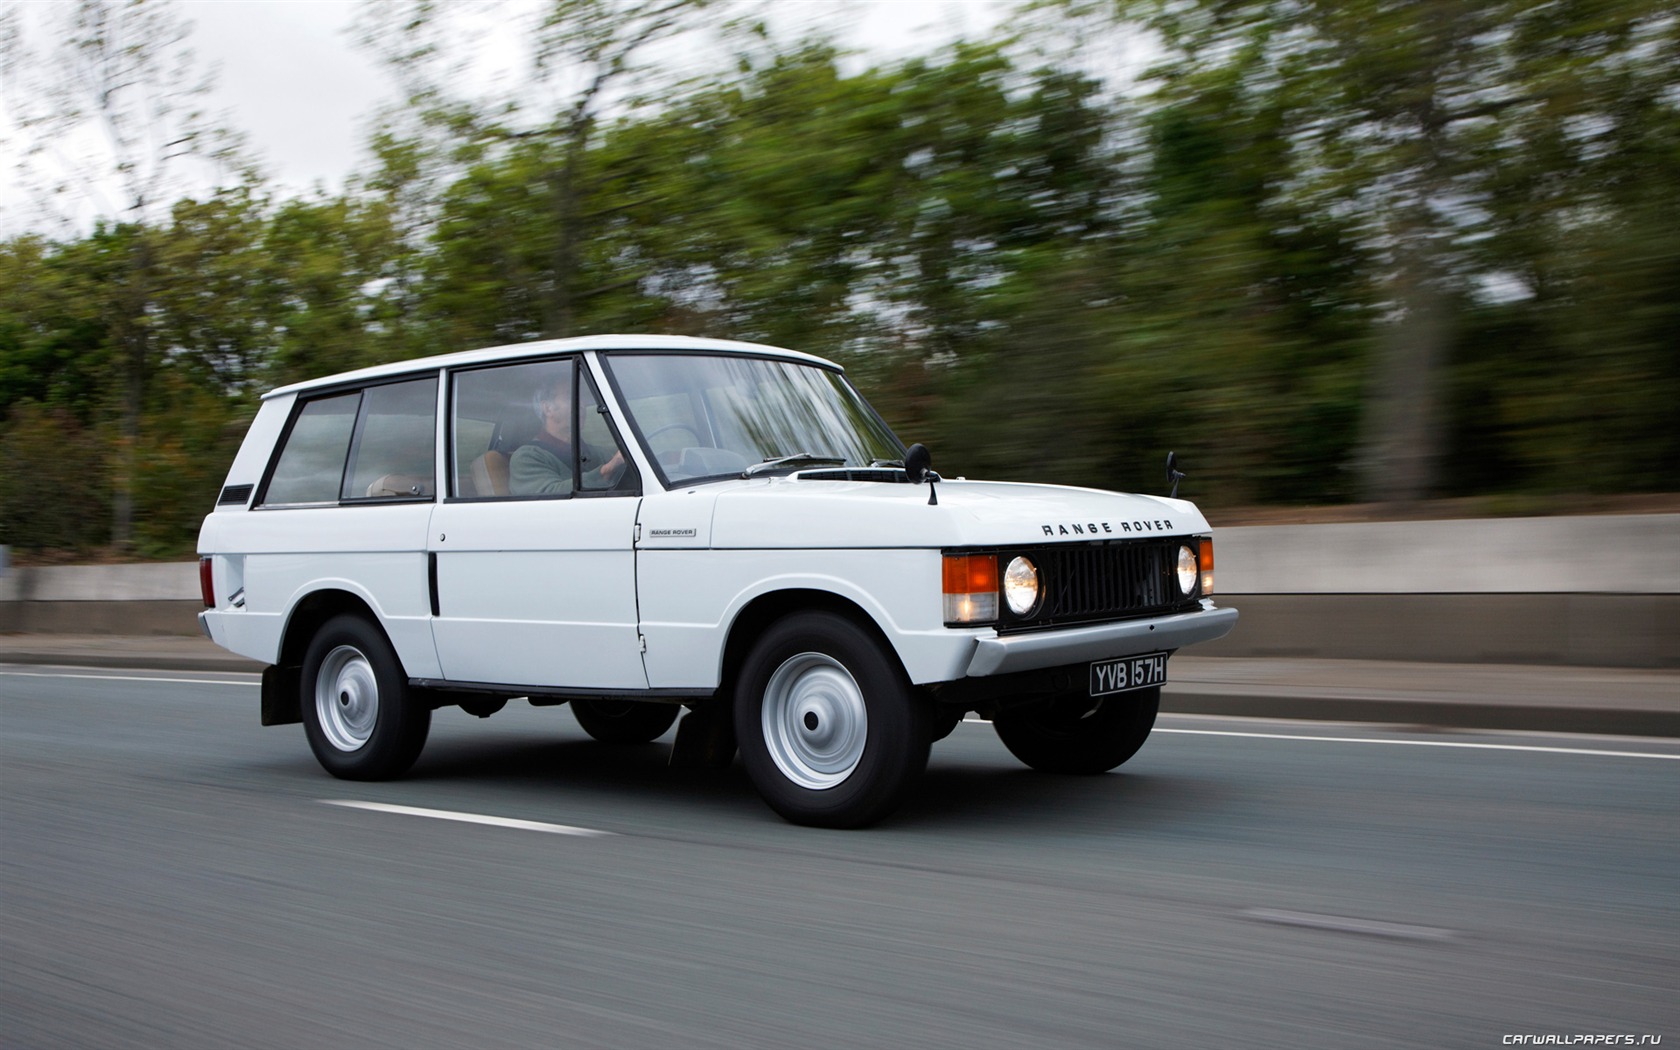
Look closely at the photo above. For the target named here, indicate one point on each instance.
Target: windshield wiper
(798, 459)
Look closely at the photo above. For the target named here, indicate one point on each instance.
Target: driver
(543, 465)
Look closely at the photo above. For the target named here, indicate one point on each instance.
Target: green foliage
(1329, 232)
(186, 444)
(55, 490)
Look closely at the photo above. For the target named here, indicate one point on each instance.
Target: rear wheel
(1079, 734)
(624, 721)
(357, 713)
(830, 731)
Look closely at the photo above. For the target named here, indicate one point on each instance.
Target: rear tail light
(971, 588)
(206, 583)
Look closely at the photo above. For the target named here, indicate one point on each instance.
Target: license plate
(1128, 673)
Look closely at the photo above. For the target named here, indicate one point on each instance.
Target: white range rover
(643, 525)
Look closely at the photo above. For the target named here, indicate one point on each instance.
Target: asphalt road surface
(173, 875)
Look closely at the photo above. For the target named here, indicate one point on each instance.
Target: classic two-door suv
(641, 526)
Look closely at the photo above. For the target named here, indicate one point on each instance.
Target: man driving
(543, 466)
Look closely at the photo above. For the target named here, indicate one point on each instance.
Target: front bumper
(1039, 649)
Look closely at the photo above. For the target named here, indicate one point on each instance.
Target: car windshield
(717, 416)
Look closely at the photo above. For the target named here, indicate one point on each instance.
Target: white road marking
(128, 678)
(1343, 924)
(468, 818)
(1407, 743)
(1426, 743)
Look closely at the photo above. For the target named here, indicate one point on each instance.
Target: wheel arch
(312, 611)
(749, 624)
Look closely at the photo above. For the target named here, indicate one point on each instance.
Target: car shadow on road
(999, 799)
(959, 793)
(953, 795)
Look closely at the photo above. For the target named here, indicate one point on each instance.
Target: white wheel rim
(814, 719)
(347, 698)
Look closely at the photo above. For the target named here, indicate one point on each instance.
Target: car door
(533, 551)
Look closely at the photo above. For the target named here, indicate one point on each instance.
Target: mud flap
(705, 738)
(280, 696)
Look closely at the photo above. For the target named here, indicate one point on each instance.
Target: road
(174, 875)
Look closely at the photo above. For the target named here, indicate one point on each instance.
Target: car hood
(795, 512)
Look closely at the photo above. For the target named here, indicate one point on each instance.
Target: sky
(291, 77)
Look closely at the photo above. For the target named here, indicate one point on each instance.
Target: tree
(1401, 118)
(581, 51)
(112, 114)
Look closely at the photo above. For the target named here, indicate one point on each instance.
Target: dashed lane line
(1347, 924)
(468, 818)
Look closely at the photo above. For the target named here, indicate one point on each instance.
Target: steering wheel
(695, 434)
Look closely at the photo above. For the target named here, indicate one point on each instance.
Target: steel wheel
(815, 721)
(830, 730)
(361, 721)
(347, 698)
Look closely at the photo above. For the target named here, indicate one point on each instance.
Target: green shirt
(542, 467)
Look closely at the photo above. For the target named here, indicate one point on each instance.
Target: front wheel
(624, 721)
(357, 713)
(1079, 734)
(830, 730)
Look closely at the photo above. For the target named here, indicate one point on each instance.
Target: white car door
(534, 550)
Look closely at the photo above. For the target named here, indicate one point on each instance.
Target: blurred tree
(581, 51)
(120, 75)
(52, 333)
(55, 490)
(332, 289)
(1399, 118)
(1252, 311)
(207, 318)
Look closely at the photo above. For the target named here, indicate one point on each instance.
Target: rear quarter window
(392, 454)
(373, 444)
(311, 464)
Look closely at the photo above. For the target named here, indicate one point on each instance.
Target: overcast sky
(292, 78)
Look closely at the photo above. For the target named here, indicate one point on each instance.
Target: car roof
(549, 347)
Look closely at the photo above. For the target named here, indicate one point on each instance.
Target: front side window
(715, 416)
(535, 430)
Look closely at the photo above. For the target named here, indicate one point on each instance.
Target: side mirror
(917, 460)
(918, 464)
(1174, 475)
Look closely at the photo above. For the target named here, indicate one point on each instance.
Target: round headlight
(1020, 586)
(1188, 570)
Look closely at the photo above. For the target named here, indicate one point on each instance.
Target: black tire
(830, 730)
(1079, 734)
(361, 721)
(624, 721)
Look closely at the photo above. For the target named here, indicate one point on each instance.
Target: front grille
(1088, 583)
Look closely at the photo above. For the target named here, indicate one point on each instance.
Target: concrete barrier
(154, 598)
(1591, 591)
(1601, 590)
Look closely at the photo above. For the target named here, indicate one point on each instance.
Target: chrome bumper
(1052, 648)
